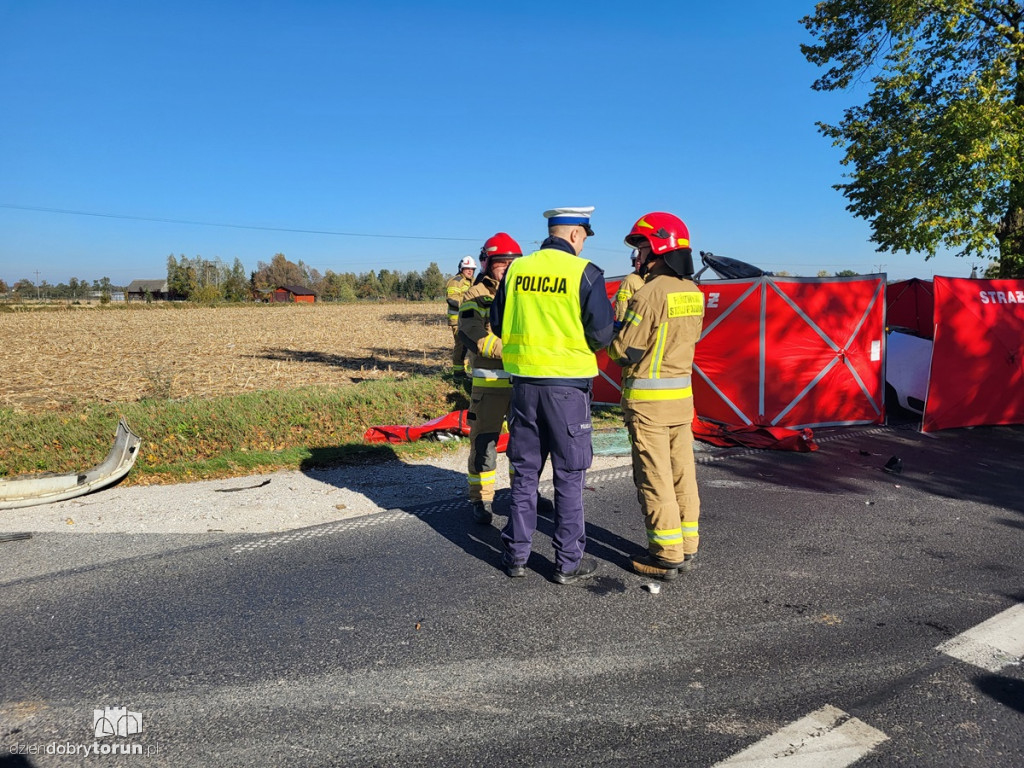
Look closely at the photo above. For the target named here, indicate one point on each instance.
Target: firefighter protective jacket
(475, 331)
(454, 290)
(655, 347)
(630, 284)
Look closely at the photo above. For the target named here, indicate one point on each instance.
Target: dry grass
(51, 360)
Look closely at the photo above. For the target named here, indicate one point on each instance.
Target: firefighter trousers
(488, 409)
(458, 353)
(665, 475)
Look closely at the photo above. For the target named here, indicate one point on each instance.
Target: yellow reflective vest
(542, 332)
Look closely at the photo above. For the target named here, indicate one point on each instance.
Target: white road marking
(992, 644)
(826, 738)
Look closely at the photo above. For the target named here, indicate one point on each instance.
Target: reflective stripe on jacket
(454, 290)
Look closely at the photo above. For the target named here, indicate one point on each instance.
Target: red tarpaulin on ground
(785, 352)
(911, 304)
(454, 423)
(775, 438)
(977, 370)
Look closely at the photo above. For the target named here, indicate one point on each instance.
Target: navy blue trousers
(548, 421)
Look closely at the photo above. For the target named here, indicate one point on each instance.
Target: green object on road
(611, 442)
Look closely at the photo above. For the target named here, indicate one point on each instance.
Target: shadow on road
(397, 486)
(1007, 691)
(979, 464)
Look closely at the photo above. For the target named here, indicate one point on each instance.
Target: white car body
(908, 359)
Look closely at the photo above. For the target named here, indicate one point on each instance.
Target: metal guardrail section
(44, 489)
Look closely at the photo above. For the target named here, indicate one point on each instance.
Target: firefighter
(454, 290)
(492, 385)
(655, 347)
(629, 285)
(552, 313)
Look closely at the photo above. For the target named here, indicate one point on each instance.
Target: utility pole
(880, 268)
(37, 284)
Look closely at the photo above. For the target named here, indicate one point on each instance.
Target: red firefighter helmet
(667, 236)
(500, 246)
(662, 231)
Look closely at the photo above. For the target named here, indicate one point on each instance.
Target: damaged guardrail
(44, 489)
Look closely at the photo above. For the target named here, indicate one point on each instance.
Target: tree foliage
(936, 149)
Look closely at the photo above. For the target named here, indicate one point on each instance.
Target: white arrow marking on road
(992, 644)
(826, 738)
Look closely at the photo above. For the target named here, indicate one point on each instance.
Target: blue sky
(301, 127)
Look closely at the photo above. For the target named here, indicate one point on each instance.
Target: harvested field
(55, 359)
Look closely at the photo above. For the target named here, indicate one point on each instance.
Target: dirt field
(54, 359)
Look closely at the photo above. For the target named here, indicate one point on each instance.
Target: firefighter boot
(658, 568)
(482, 512)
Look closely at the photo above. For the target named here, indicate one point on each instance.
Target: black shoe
(482, 512)
(514, 571)
(584, 570)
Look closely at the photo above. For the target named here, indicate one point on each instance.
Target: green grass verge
(222, 437)
(184, 440)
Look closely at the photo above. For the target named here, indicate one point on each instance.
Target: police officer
(629, 285)
(492, 385)
(552, 313)
(454, 290)
(655, 347)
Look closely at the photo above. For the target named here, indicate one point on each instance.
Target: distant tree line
(73, 290)
(211, 280)
(205, 280)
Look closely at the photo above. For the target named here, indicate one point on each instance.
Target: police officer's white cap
(572, 217)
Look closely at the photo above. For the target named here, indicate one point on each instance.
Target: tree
(369, 287)
(182, 277)
(847, 273)
(279, 272)
(433, 282)
(235, 286)
(937, 150)
(3, 286)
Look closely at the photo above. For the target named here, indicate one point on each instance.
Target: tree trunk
(1011, 234)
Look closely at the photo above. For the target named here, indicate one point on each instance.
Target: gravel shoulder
(264, 503)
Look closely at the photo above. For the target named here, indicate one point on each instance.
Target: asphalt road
(824, 589)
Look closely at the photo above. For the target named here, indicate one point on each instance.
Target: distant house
(138, 289)
(293, 293)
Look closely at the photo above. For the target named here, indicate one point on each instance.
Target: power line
(128, 217)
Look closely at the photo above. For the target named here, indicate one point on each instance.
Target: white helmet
(467, 263)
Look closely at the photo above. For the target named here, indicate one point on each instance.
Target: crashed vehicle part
(908, 360)
(43, 489)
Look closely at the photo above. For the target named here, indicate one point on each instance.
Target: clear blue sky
(433, 124)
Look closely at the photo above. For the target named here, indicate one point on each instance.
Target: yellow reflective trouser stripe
(689, 529)
(659, 351)
(657, 394)
(666, 537)
(483, 383)
(484, 478)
